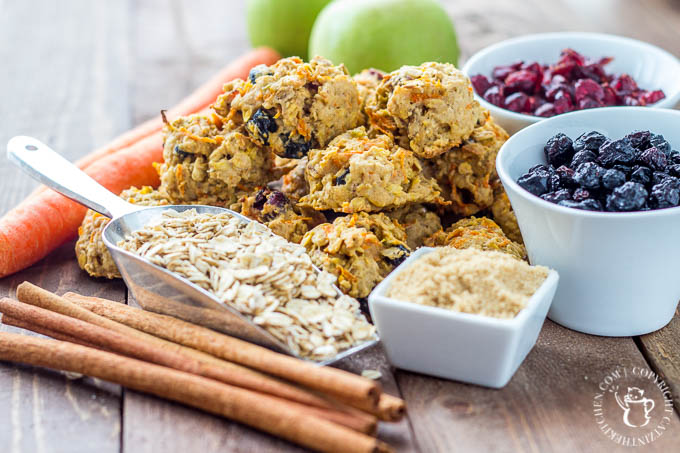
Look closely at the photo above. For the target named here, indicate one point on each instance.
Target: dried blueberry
(396, 255)
(589, 175)
(675, 157)
(581, 194)
(590, 141)
(660, 143)
(639, 139)
(659, 176)
(258, 71)
(625, 169)
(260, 199)
(341, 178)
(582, 157)
(181, 153)
(262, 123)
(665, 194)
(535, 182)
(674, 170)
(613, 178)
(653, 158)
(295, 149)
(277, 199)
(629, 197)
(557, 196)
(566, 176)
(586, 205)
(616, 152)
(641, 175)
(558, 150)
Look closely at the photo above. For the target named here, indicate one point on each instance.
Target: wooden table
(76, 73)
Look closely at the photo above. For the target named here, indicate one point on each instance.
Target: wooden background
(75, 73)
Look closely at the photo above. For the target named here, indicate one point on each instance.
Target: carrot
(199, 100)
(45, 220)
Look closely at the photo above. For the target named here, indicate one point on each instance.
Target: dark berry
(660, 143)
(639, 139)
(396, 255)
(586, 205)
(480, 83)
(616, 152)
(566, 176)
(557, 196)
(295, 149)
(582, 157)
(666, 194)
(674, 170)
(589, 175)
(613, 178)
(262, 123)
(554, 182)
(539, 167)
(277, 199)
(260, 199)
(653, 158)
(581, 194)
(341, 178)
(495, 95)
(535, 182)
(629, 197)
(558, 150)
(590, 141)
(517, 102)
(256, 72)
(641, 175)
(675, 157)
(623, 168)
(659, 176)
(181, 153)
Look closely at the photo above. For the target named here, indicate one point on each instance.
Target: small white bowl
(461, 346)
(652, 67)
(620, 272)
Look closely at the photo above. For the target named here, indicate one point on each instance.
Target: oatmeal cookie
(293, 106)
(294, 184)
(465, 173)
(356, 173)
(419, 223)
(274, 209)
(478, 233)
(502, 213)
(93, 256)
(208, 165)
(360, 249)
(428, 109)
(367, 83)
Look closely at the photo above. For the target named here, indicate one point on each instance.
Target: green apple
(384, 34)
(283, 25)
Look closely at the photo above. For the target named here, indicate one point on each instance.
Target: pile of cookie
(359, 170)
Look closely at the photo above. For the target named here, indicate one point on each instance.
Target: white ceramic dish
(620, 272)
(653, 68)
(460, 346)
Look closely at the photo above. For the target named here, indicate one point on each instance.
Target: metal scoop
(153, 287)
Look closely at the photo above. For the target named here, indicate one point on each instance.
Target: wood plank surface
(84, 71)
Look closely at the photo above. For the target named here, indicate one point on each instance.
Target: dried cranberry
(624, 85)
(480, 83)
(546, 110)
(650, 97)
(630, 101)
(495, 95)
(588, 103)
(501, 72)
(562, 103)
(586, 88)
(522, 80)
(609, 96)
(517, 102)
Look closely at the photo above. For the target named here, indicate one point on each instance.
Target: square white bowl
(452, 345)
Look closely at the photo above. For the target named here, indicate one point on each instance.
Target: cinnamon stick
(231, 373)
(264, 412)
(347, 387)
(55, 324)
(22, 324)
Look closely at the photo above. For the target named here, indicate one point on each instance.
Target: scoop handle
(50, 168)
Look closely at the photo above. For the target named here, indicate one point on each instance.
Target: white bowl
(651, 67)
(620, 272)
(461, 346)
